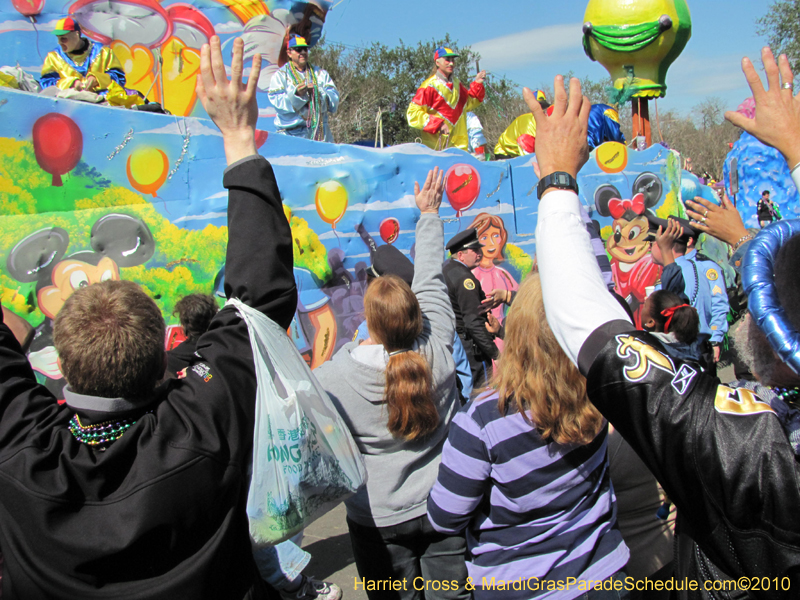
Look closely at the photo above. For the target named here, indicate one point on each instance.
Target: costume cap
(442, 52)
(689, 230)
(464, 241)
(297, 41)
(65, 25)
(388, 260)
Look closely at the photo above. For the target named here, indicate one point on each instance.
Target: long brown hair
(394, 319)
(536, 378)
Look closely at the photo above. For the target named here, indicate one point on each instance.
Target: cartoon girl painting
(493, 236)
(631, 263)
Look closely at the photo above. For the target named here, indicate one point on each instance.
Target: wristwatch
(560, 180)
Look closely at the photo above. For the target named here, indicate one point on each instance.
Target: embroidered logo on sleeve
(203, 370)
(647, 356)
(469, 284)
(683, 378)
(712, 274)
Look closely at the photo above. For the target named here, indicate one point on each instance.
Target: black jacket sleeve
(258, 268)
(672, 280)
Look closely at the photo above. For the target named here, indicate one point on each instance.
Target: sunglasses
(299, 49)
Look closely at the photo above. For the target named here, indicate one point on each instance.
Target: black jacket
(466, 297)
(721, 454)
(161, 512)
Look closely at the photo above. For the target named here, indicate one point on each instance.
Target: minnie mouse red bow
(618, 207)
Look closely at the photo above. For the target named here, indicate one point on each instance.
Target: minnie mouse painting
(632, 266)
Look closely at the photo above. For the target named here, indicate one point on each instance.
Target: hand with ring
(723, 222)
(777, 117)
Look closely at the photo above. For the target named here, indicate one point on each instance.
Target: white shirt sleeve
(576, 299)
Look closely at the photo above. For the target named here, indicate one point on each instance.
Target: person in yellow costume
(440, 106)
(84, 66)
(519, 138)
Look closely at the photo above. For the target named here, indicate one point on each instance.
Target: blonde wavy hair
(536, 378)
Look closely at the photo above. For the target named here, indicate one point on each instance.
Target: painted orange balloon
(331, 201)
(147, 169)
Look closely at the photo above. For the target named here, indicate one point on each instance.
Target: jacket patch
(629, 346)
(683, 378)
(469, 284)
(203, 370)
(712, 274)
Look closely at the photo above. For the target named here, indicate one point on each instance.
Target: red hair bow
(669, 313)
(618, 207)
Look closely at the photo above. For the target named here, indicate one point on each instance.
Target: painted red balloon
(390, 230)
(462, 184)
(261, 137)
(57, 144)
(28, 8)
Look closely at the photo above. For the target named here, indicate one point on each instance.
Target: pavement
(328, 542)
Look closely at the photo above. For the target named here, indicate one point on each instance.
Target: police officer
(703, 282)
(388, 260)
(466, 297)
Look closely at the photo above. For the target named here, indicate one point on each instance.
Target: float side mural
(144, 201)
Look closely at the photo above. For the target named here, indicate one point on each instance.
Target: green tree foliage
(386, 78)
(781, 27)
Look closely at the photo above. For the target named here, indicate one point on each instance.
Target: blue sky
(544, 38)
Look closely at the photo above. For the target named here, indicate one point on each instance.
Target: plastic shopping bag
(305, 461)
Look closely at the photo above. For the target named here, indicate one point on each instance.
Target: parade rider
(440, 106)
(303, 95)
(84, 66)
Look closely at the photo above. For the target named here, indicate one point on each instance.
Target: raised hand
(665, 238)
(777, 118)
(723, 222)
(429, 198)
(231, 104)
(561, 137)
(480, 77)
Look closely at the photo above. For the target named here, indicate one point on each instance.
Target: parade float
(90, 192)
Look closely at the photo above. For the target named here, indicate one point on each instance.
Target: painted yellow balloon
(611, 157)
(147, 169)
(331, 201)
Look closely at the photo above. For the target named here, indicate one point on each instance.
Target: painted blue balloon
(762, 296)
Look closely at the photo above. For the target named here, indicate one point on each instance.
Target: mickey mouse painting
(631, 263)
(117, 240)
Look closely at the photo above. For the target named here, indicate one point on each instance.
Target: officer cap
(388, 260)
(463, 241)
(689, 231)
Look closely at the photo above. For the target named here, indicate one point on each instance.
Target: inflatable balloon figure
(462, 184)
(57, 144)
(390, 230)
(636, 41)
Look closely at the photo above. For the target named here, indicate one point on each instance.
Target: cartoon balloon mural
(28, 8)
(331, 201)
(462, 184)
(390, 230)
(147, 169)
(57, 144)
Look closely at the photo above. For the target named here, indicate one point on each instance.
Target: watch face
(561, 179)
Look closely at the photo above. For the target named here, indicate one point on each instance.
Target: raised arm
(258, 267)
(428, 284)
(577, 305)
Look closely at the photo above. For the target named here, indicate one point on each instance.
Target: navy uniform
(467, 297)
(701, 281)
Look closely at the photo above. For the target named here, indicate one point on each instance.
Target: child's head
(665, 312)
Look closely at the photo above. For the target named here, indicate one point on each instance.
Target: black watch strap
(558, 179)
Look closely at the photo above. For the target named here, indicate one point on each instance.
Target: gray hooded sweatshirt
(400, 474)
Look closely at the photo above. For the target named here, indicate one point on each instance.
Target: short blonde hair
(536, 378)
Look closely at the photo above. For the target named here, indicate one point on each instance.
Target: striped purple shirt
(531, 509)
